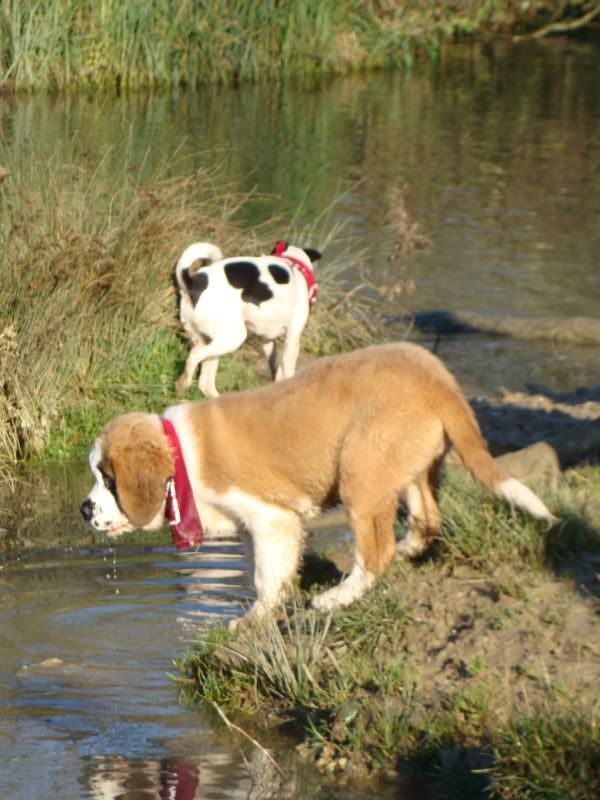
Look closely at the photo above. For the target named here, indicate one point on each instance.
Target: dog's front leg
(277, 543)
(207, 380)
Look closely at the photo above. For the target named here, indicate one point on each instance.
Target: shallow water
(87, 707)
(87, 640)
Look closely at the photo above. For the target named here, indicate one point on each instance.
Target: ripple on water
(83, 666)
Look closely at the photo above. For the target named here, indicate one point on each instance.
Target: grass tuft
(556, 758)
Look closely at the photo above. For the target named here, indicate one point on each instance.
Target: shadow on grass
(317, 570)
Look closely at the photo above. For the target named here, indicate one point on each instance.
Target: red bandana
(307, 273)
(181, 511)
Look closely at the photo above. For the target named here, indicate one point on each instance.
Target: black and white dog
(228, 298)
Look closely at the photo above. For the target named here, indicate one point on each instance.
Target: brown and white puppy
(366, 429)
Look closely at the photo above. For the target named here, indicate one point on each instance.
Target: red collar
(307, 273)
(181, 511)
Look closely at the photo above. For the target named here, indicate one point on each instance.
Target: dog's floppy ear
(142, 463)
(313, 254)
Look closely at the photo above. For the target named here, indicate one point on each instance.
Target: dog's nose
(87, 510)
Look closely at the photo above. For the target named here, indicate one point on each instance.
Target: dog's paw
(326, 601)
(208, 391)
(253, 615)
(410, 547)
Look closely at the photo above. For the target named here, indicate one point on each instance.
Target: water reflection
(167, 779)
(88, 638)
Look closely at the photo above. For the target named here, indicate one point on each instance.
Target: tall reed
(67, 44)
(60, 45)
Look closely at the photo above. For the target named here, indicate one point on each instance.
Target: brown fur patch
(136, 453)
(368, 427)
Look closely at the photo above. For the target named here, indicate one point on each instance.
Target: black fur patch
(195, 284)
(312, 253)
(110, 484)
(244, 275)
(280, 274)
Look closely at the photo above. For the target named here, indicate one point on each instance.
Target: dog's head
(283, 248)
(132, 463)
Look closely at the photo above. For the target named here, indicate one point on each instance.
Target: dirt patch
(524, 638)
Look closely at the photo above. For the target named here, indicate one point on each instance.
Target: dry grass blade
(247, 736)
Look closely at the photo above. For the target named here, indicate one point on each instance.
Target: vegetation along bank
(474, 673)
(58, 45)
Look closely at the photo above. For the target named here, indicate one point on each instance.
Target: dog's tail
(463, 432)
(204, 252)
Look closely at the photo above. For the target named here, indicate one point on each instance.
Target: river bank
(99, 197)
(56, 46)
(475, 670)
(508, 200)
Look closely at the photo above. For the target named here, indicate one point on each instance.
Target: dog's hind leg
(226, 343)
(289, 356)
(291, 344)
(375, 550)
(375, 469)
(425, 519)
(370, 499)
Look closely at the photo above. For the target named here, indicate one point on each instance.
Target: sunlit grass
(554, 758)
(488, 533)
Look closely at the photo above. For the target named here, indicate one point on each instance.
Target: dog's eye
(110, 484)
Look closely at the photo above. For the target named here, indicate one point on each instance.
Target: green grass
(489, 534)
(549, 758)
(87, 304)
(148, 385)
(55, 45)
